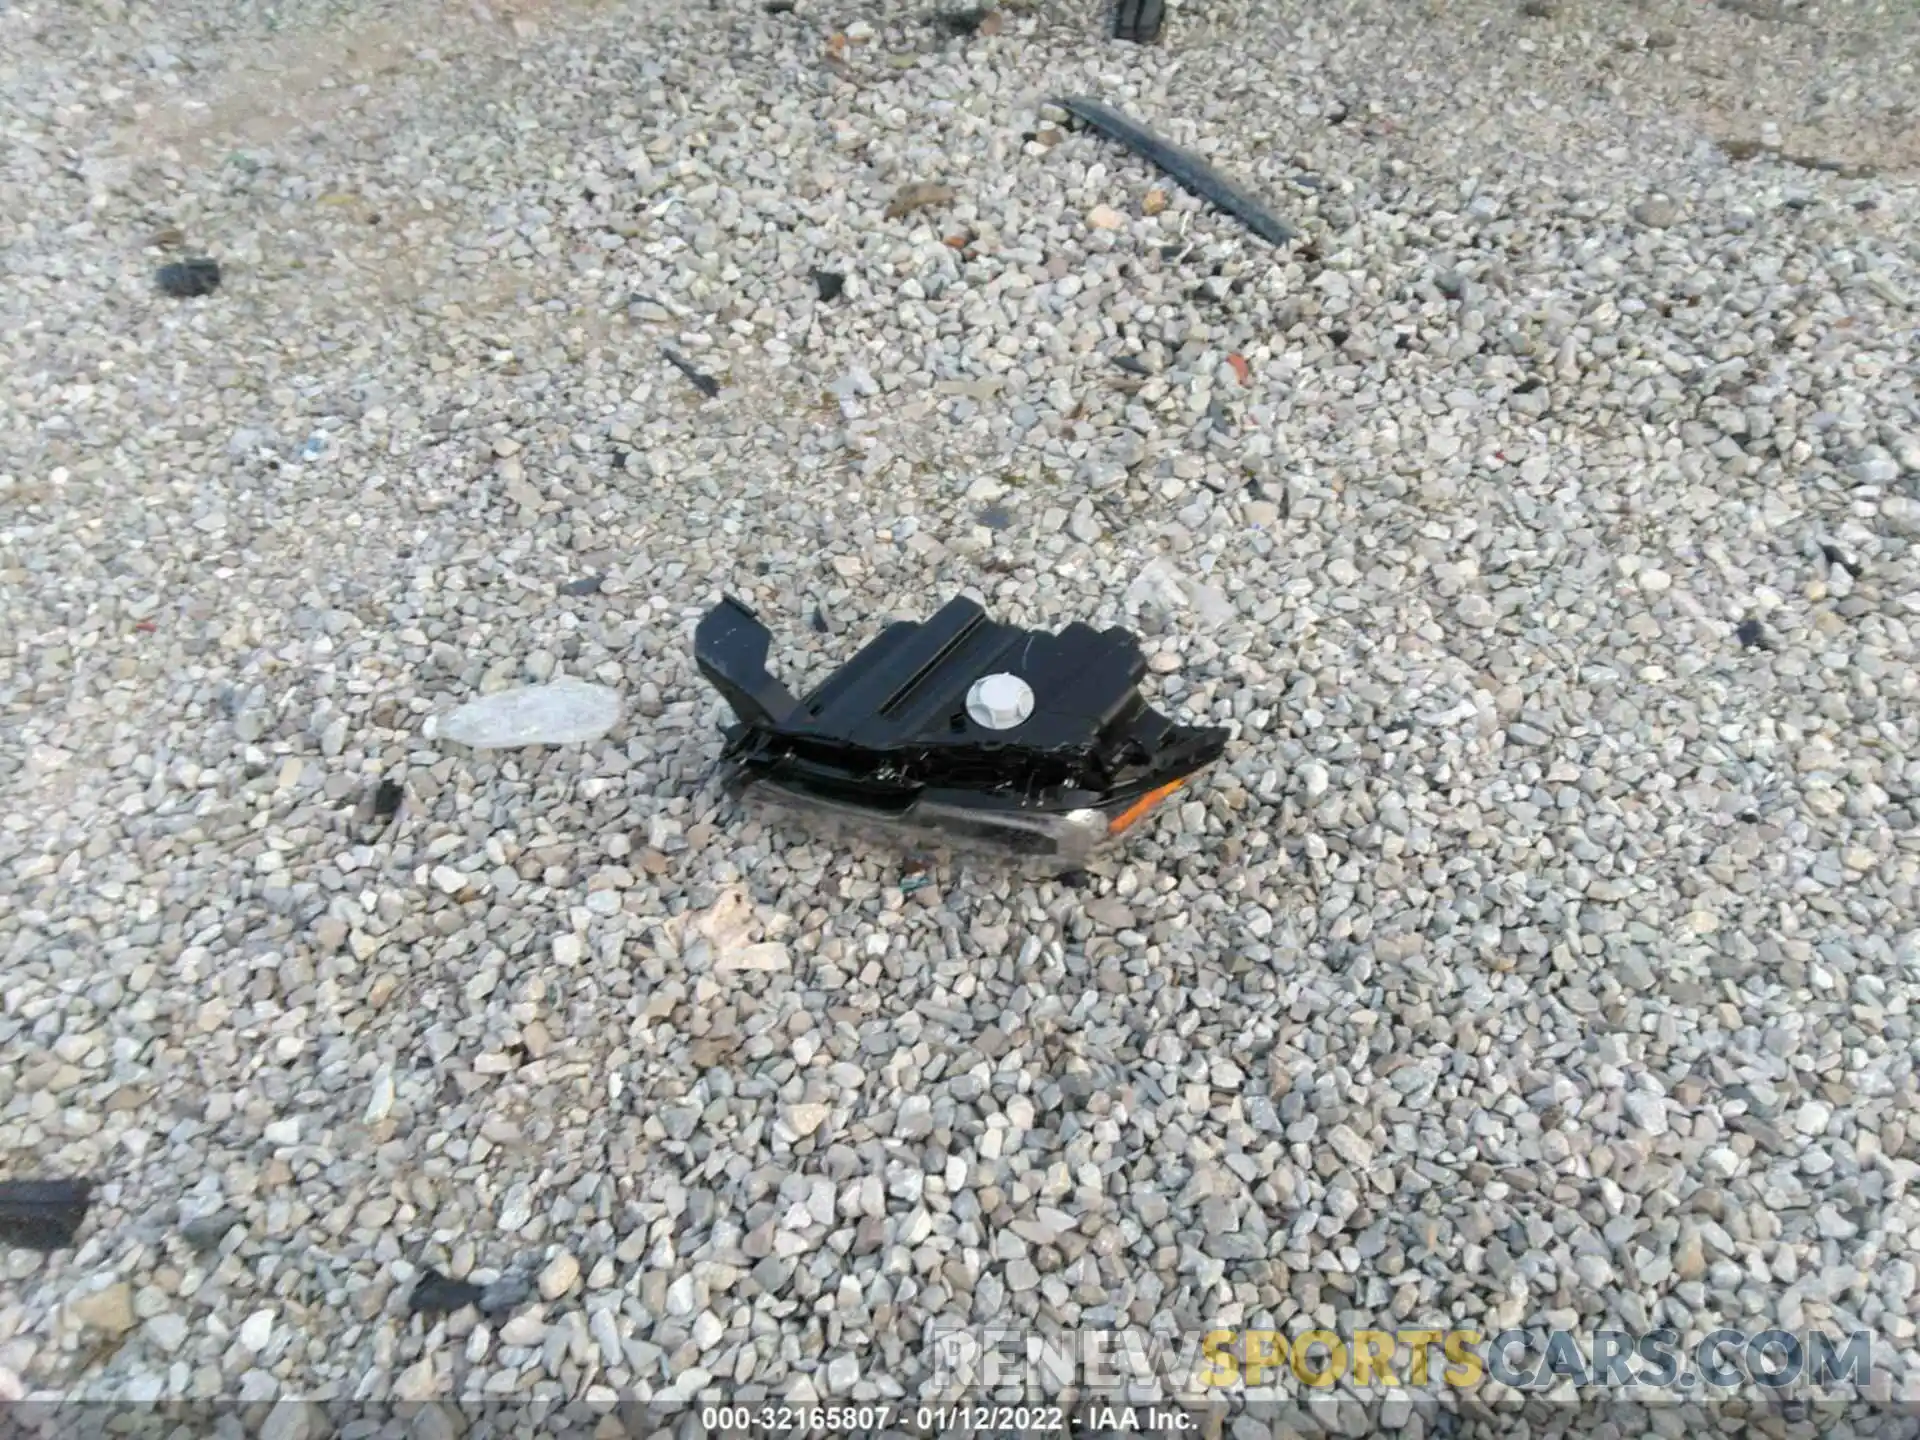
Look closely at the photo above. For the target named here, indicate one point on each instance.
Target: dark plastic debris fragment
(1022, 740)
(965, 21)
(43, 1214)
(1131, 364)
(188, 279)
(830, 283)
(704, 383)
(387, 796)
(1751, 635)
(507, 1293)
(1185, 168)
(585, 585)
(1139, 21)
(437, 1294)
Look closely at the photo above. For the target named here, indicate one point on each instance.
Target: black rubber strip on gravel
(1187, 169)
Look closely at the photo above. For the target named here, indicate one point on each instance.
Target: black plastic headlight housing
(960, 731)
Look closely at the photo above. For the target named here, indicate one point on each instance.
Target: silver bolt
(1000, 702)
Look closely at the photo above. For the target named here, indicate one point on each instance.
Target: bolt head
(1000, 702)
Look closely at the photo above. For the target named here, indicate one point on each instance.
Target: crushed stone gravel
(1546, 525)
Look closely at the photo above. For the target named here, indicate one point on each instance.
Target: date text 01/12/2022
(748, 1422)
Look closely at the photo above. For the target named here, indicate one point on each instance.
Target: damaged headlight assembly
(957, 731)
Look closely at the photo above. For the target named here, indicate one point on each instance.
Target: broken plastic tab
(960, 727)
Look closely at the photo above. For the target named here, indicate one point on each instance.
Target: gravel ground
(1543, 951)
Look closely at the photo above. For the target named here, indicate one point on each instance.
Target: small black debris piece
(1181, 166)
(819, 621)
(387, 796)
(507, 1293)
(585, 585)
(1131, 364)
(1837, 558)
(963, 22)
(43, 1214)
(996, 517)
(830, 283)
(779, 7)
(1139, 21)
(1016, 740)
(188, 279)
(1751, 635)
(703, 382)
(437, 1294)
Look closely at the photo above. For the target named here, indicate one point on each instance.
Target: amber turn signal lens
(1140, 807)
